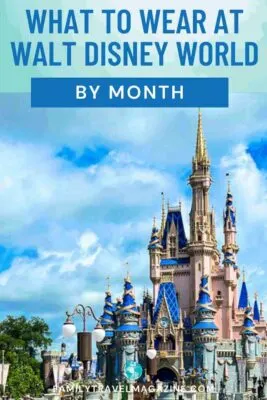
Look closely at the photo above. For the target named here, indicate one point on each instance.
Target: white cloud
(39, 192)
(249, 188)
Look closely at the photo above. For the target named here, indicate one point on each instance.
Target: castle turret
(202, 247)
(230, 247)
(249, 339)
(200, 181)
(128, 332)
(243, 298)
(205, 331)
(155, 249)
(107, 321)
(256, 311)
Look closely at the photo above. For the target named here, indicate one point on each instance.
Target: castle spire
(127, 313)
(248, 325)
(107, 318)
(202, 223)
(205, 314)
(256, 311)
(201, 155)
(163, 215)
(155, 237)
(243, 299)
(229, 248)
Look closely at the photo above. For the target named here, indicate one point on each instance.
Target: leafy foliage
(22, 341)
(23, 380)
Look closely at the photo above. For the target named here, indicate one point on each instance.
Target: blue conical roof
(127, 309)
(243, 299)
(128, 303)
(256, 312)
(154, 241)
(204, 310)
(118, 304)
(248, 325)
(204, 299)
(230, 212)
(107, 318)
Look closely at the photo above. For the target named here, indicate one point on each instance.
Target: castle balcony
(167, 354)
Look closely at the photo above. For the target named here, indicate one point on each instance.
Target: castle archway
(166, 375)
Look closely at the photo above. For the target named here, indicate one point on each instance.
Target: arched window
(173, 246)
(170, 343)
(160, 345)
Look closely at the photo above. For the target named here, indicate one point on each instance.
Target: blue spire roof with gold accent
(107, 318)
(167, 291)
(204, 310)
(256, 311)
(128, 303)
(230, 212)
(127, 309)
(204, 299)
(243, 298)
(154, 241)
(248, 325)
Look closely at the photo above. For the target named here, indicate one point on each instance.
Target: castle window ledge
(167, 353)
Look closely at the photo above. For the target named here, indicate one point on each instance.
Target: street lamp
(84, 337)
(151, 361)
(151, 353)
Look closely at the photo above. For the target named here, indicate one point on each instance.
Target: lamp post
(84, 337)
(152, 367)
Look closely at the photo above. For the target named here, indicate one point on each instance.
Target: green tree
(22, 341)
(23, 380)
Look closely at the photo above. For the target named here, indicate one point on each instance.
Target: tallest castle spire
(202, 246)
(201, 156)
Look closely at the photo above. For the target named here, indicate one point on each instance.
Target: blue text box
(129, 92)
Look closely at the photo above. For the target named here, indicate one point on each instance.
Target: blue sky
(79, 190)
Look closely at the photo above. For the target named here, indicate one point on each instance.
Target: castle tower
(202, 247)
(256, 311)
(205, 331)
(249, 340)
(128, 332)
(155, 249)
(230, 247)
(107, 320)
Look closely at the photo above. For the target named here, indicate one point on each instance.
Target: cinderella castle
(204, 329)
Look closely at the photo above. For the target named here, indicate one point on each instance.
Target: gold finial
(154, 222)
(256, 296)
(163, 216)
(108, 284)
(201, 149)
(180, 205)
